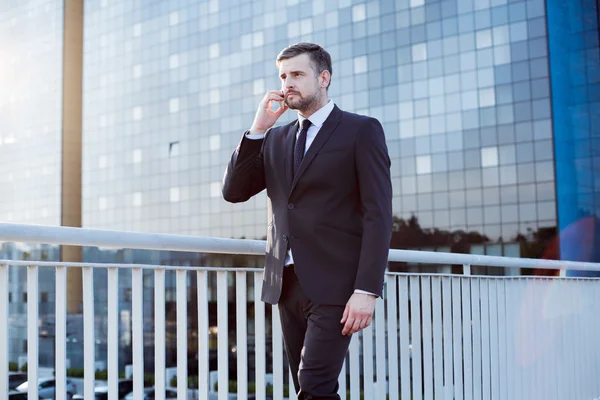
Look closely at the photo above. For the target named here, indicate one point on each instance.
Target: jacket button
(290, 206)
(285, 238)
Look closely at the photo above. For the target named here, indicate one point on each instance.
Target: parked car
(15, 379)
(47, 388)
(14, 395)
(149, 394)
(97, 396)
(101, 392)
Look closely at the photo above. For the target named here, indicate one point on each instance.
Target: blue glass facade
(573, 33)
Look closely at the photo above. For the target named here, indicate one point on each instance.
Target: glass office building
(468, 92)
(31, 39)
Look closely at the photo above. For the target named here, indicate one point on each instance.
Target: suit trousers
(313, 338)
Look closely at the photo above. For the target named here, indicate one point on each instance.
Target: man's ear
(324, 79)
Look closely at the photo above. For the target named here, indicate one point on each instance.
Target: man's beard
(303, 104)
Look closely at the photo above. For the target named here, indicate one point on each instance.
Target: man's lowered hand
(358, 313)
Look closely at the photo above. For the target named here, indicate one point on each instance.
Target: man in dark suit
(329, 194)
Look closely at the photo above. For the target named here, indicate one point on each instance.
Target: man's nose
(288, 83)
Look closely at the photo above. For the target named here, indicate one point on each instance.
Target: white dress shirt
(317, 119)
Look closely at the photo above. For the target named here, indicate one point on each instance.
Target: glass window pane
(509, 194)
(473, 178)
(484, 39)
(525, 172)
(489, 156)
(455, 161)
(456, 180)
(508, 175)
(423, 164)
(490, 176)
(439, 163)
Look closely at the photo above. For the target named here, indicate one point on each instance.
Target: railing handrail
(61, 235)
(190, 268)
(20, 263)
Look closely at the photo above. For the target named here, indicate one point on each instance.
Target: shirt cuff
(364, 292)
(257, 136)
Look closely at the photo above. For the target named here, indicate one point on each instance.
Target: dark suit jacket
(336, 214)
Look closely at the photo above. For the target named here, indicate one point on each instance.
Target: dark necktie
(300, 145)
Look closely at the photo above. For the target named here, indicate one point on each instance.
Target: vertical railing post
(392, 335)
(467, 269)
(447, 338)
(89, 337)
(368, 357)
(137, 322)
(223, 335)
(355, 368)
(415, 327)
(203, 337)
(60, 333)
(182, 383)
(405, 349)
(32, 332)
(467, 338)
(457, 336)
(277, 346)
(4, 330)
(113, 333)
(428, 382)
(259, 338)
(438, 336)
(380, 356)
(242, 335)
(159, 333)
(342, 386)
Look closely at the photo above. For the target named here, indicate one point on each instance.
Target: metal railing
(433, 335)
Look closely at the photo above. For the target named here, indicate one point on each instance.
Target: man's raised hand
(265, 116)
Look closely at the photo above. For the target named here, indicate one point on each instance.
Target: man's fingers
(345, 315)
(364, 323)
(352, 325)
(274, 93)
(273, 96)
(347, 326)
(281, 109)
(356, 327)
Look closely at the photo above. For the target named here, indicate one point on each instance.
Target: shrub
(99, 375)
(192, 382)
(75, 372)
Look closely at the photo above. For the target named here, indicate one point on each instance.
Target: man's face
(299, 82)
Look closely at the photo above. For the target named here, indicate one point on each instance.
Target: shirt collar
(318, 118)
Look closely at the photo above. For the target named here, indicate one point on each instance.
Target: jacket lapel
(322, 137)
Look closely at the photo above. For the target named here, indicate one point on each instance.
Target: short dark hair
(320, 59)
